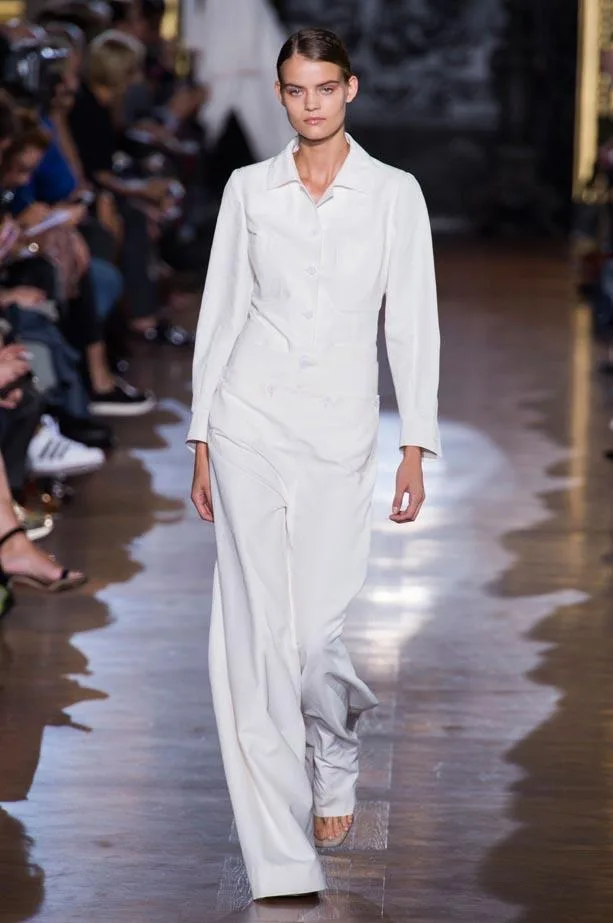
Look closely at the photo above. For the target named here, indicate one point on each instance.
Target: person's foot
(123, 400)
(165, 333)
(331, 829)
(50, 454)
(90, 431)
(18, 556)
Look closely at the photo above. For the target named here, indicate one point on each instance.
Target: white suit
(285, 393)
(238, 42)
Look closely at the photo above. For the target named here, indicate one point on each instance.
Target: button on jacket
(309, 279)
(285, 394)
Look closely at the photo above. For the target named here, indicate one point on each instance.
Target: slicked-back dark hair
(316, 45)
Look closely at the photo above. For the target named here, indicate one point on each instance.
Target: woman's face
(19, 169)
(69, 87)
(315, 95)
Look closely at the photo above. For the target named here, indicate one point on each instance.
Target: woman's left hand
(409, 480)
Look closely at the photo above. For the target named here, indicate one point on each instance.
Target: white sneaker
(50, 453)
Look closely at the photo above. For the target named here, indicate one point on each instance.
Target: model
(285, 416)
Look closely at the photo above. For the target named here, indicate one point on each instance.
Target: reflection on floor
(485, 629)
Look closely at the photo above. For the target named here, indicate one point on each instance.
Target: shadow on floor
(557, 864)
(42, 673)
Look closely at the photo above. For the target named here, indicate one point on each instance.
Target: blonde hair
(114, 58)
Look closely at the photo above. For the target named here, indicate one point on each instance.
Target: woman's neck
(104, 95)
(319, 162)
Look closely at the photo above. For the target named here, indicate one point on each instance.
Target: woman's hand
(13, 365)
(14, 351)
(108, 215)
(81, 252)
(77, 212)
(409, 480)
(201, 485)
(11, 370)
(24, 296)
(10, 234)
(12, 400)
(33, 215)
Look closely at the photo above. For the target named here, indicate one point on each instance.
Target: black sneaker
(123, 401)
(169, 334)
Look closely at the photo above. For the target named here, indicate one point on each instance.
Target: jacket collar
(356, 172)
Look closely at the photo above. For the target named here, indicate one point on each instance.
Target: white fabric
(285, 381)
(292, 484)
(238, 42)
(308, 280)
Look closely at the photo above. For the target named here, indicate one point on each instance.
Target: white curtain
(237, 43)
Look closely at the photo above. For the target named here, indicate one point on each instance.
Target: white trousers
(292, 479)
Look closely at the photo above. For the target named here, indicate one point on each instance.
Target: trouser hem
(335, 809)
(284, 880)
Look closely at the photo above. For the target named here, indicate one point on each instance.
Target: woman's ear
(278, 92)
(353, 85)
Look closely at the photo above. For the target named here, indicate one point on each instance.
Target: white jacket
(308, 280)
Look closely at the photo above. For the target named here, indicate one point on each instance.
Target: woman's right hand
(33, 215)
(201, 485)
(12, 370)
(78, 213)
(25, 296)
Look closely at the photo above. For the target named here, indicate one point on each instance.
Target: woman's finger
(411, 513)
(202, 504)
(11, 401)
(398, 500)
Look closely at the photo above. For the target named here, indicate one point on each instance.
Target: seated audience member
(59, 178)
(114, 61)
(79, 320)
(158, 96)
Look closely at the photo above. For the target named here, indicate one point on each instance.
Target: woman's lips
(314, 121)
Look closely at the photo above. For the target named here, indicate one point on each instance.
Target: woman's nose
(312, 102)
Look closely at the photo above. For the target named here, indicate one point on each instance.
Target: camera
(31, 69)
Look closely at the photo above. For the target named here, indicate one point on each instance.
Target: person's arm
(225, 305)
(151, 190)
(411, 322)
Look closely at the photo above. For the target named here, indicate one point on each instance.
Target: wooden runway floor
(486, 629)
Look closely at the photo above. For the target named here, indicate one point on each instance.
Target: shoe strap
(10, 534)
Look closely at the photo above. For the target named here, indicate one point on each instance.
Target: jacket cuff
(198, 429)
(423, 434)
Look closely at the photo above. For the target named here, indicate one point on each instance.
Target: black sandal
(64, 582)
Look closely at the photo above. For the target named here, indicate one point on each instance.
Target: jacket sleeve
(225, 305)
(411, 320)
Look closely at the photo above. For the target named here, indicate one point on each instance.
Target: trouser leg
(136, 258)
(108, 287)
(329, 534)
(255, 674)
(21, 426)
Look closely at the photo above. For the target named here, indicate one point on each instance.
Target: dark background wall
(473, 96)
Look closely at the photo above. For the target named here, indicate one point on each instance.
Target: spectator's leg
(19, 558)
(107, 283)
(82, 328)
(21, 426)
(136, 259)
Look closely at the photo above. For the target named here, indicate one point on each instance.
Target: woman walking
(284, 425)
